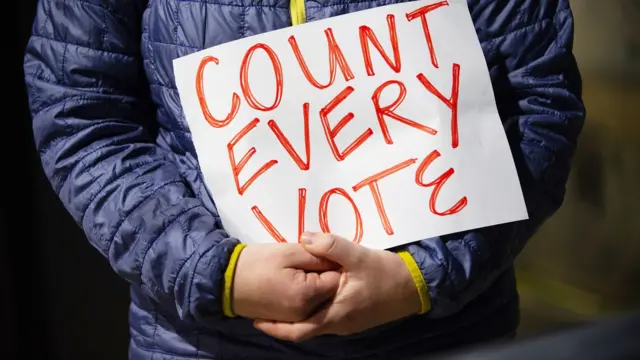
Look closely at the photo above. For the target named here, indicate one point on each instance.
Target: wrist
(418, 293)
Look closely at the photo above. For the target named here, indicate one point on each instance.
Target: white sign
(379, 126)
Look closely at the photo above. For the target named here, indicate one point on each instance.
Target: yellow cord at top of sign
(298, 12)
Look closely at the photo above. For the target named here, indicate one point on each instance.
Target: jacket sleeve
(94, 129)
(539, 101)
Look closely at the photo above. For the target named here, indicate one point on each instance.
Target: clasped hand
(327, 285)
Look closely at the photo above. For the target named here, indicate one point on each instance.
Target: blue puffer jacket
(114, 143)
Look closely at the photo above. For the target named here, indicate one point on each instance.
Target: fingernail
(306, 238)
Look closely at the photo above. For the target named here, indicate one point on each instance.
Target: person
(116, 148)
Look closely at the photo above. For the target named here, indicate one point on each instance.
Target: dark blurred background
(584, 264)
(586, 261)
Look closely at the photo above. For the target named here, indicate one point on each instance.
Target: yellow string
(298, 13)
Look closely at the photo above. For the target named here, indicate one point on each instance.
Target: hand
(281, 282)
(375, 288)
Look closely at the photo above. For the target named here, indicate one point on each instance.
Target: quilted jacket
(115, 146)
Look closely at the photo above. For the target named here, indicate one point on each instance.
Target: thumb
(332, 247)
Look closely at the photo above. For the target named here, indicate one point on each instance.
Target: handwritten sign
(379, 126)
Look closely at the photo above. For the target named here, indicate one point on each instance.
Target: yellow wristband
(228, 280)
(418, 280)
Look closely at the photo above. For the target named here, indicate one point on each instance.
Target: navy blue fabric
(116, 148)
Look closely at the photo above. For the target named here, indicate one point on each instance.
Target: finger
(332, 247)
(299, 258)
(295, 332)
(322, 286)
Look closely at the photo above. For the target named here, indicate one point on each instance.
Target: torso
(172, 29)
